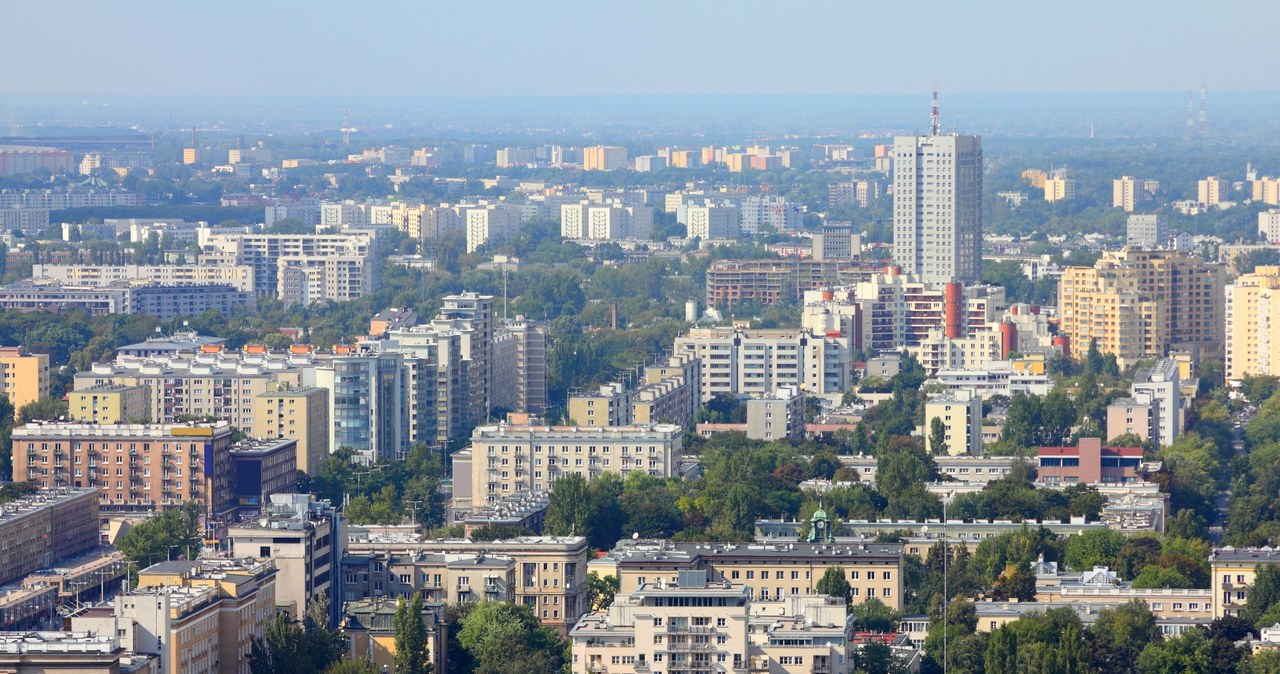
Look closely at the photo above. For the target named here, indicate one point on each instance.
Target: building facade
(47, 526)
(937, 207)
(24, 377)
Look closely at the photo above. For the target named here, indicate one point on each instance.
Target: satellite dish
(635, 536)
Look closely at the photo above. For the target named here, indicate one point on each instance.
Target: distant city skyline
(580, 48)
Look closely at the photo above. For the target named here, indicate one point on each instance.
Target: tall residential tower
(937, 207)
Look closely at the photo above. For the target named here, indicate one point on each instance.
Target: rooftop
(57, 642)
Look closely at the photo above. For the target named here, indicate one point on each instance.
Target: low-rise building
(769, 570)
(692, 623)
(550, 571)
(1089, 462)
(78, 652)
(993, 379)
(1231, 574)
(369, 625)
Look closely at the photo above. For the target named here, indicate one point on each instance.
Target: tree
(411, 655)
(874, 615)
(937, 436)
(495, 532)
(1002, 652)
(1264, 592)
(1187, 653)
(1120, 634)
(1096, 547)
(833, 583)
(44, 409)
(601, 590)
(280, 649)
(875, 658)
(352, 666)
(1017, 582)
(502, 638)
(569, 507)
(173, 533)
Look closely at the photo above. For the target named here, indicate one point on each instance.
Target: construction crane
(347, 129)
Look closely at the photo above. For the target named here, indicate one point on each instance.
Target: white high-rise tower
(937, 206)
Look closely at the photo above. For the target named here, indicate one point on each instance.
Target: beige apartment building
(110, 404)
(961, 415)
(1231, 573)
(1213, 191)
(604, 158)
(757, 362)
(669, 393)
(1142, 304)
(695, 624)
(299, 413)
(1253, 324)
(24, 377)
(550, 571)
(504, 459)
(1125, 193)
(137, 467)
(1059, 189)
(199, 616)
(769, 570)
(50, 525)
(306, 539)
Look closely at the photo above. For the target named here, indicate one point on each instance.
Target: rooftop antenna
(933, 117)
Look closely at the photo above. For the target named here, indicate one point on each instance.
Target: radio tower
(933, 117)
(346, 128)
(1191, 126)
(1204, 117)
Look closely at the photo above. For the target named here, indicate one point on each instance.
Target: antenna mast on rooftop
(933, 117)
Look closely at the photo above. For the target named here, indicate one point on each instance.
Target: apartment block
(260, 468)
(48, 526)
(604, 158)
(1213, 191)
(1059, 189)
(306, 539)
(216, 384)
(1126, 192)
(301, 414)
(299, 267)
(837, 242)
(777, 416)
(504, 459)
(198, 617)
(110, 404)
(490, 225)
(550, 572)
(756, 362)
(891, 310)
(711, 220)
(694, 624)
(138, 468)
(240, 277)
(1231, 574)
(1149, 231)
(961, 415)
(162, 301)
(1140, 304)
(370, 397)
(1089, 462)
(937, 207)
(24, 377)
(1253, 324)
(772, 213)
(1269, 225)
(773, 281)
(606, 222)
(770, 571)
(1156, 391)
(524, 364)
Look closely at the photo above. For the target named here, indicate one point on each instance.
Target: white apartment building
(757, 362)
(998, 378)
(1269, 225)
(611, 221)
(239, 277)
(770, 211)
(937, 207)
(1147, 230)
(938, 352)
(711, 221)
(338, 266)
(504, 460)
(490, 224)
(696, 625)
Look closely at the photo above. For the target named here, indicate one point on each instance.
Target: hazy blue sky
(422, 48)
